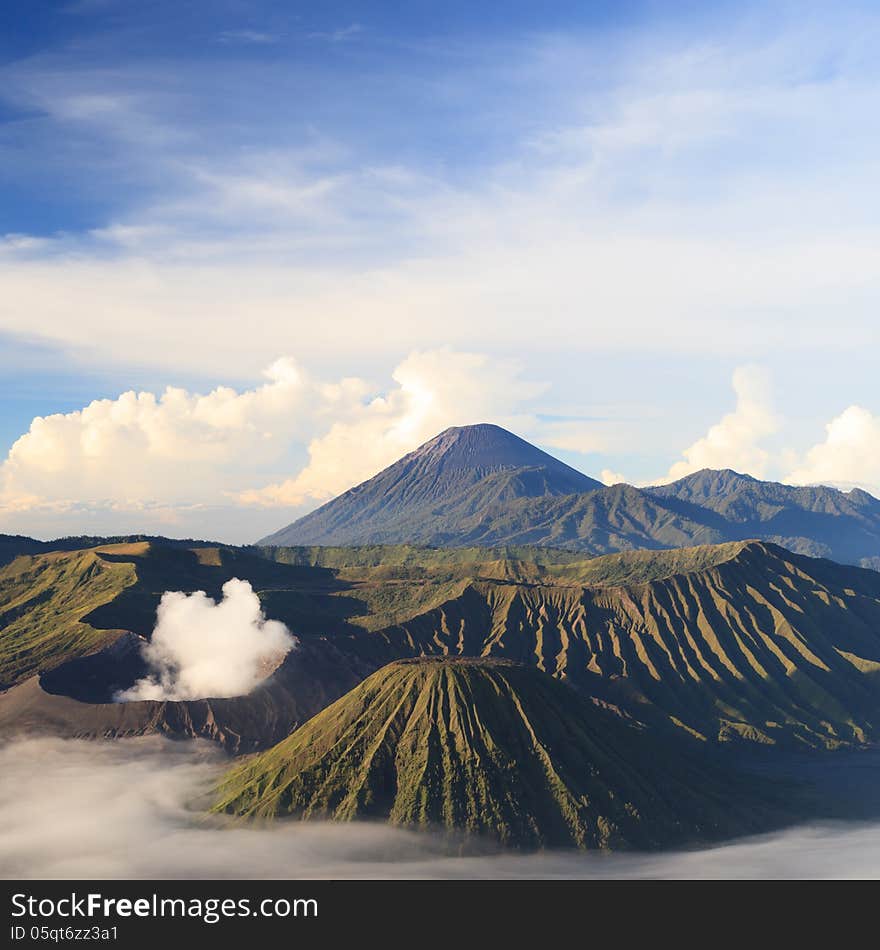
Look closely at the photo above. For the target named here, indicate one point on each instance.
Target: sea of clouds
(134, 809)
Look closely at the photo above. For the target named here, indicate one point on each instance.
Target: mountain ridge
(742, 642)
(492, 748)
(414, 501)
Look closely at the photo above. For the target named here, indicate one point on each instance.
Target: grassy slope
(396, 582)
(43, 602)
(733, 641)
(489, 748)
(763, 645)
(61, 605)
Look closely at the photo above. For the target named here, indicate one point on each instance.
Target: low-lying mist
(201, 648)
(131, 809)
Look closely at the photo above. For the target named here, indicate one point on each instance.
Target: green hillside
(64, 604)
(45, 603)
(761, 645)
(729, 643)
(495, 749)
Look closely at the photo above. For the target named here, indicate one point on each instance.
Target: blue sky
(616, 207)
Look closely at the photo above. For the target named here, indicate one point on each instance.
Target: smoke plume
(202, 649)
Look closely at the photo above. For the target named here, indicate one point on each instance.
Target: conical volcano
(480, 485)
(442, 483)
(494, 749)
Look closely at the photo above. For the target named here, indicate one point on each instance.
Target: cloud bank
(130, 809)
(202, 649)
(294, 440)
(849, 456)
(219, 463)
(735, 441)
(711, 191)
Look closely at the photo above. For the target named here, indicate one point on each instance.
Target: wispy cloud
(340, 35)
(258, 37)
(22, 242)
(685, 196)
(706, 199)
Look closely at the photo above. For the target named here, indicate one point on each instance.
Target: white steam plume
(201, 648)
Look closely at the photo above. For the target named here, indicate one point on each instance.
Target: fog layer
(131, 809)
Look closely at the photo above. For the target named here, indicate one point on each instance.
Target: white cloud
(709, 196)
(22, 242)
(145, 461)
(609, 477)
(717, 178)
(435, 389)
(175, 448)
(202, 649)
(260, 37)
(849, 456)
(735, 441)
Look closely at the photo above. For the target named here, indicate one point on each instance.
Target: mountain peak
(484, 446)
(714, 478)
(482, 485)
(462, 471)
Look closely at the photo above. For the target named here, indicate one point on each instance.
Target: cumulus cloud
(200, 648)
(849, 456)
(735, 441)
(435, 389)
(143, 448)
(149, 825)
(293, 440)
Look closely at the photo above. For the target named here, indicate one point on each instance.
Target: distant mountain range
(481, 485)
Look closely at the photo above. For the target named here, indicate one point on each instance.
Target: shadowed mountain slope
(480, 485)
(756, 643)
(814, 520)
(491, 748)
(602, 521)
(12, 545)
(743, 641)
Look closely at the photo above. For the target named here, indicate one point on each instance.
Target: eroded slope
(490, 748)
